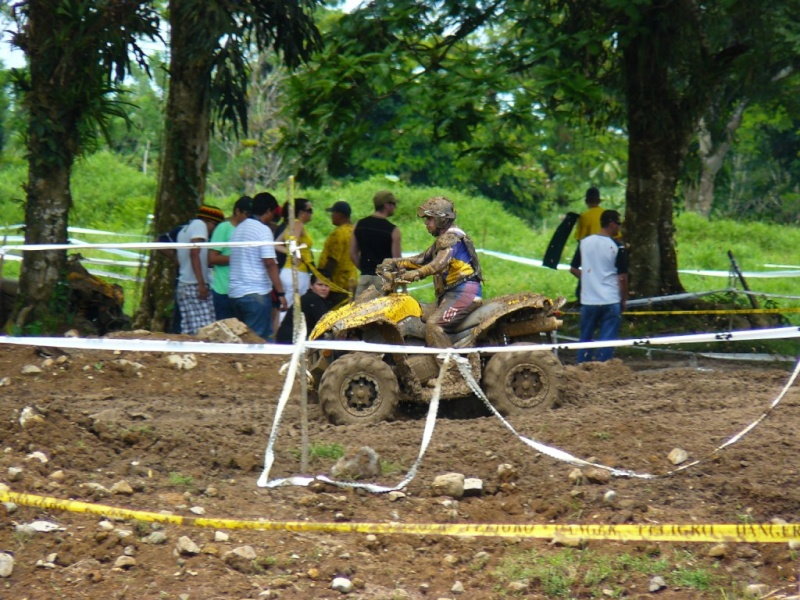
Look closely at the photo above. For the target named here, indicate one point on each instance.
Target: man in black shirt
(375, 238)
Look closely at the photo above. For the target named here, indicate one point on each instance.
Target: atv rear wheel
(358, 388)
(518, 381)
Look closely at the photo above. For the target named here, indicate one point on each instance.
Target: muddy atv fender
(520, 381)
(358, 388)
(391, 309)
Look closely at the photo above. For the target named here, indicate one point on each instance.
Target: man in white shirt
(194, 289)
(254, 270)
(601, 264)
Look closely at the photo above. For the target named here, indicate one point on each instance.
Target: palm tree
(208, 67)
(78, 52)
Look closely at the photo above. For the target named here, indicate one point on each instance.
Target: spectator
(589, 221)
(194, 294)
(335, 258)
(303, 211)
(219, 258)
(601, 265)
(453, 262)
(253, 270)
(589, 224)
(314, 304)
(375, 239)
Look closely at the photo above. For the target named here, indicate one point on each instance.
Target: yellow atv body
(362, 387)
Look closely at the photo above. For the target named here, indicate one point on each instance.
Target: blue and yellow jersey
(451, 261)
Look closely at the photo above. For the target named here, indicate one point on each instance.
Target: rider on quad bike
(357, 386)
(454, 264)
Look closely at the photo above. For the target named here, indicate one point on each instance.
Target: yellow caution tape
(732, 533)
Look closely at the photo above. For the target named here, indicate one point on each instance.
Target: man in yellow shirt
(335, 258)
(589, 221)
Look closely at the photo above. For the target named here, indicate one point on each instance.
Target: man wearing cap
(375, 239)
(335, 257)
(601, 265)
(194, 293)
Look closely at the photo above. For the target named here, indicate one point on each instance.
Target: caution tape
(730, 533)
(78, 245)
(568, 458)
(143, 345)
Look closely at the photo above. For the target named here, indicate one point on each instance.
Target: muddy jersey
(451, 260)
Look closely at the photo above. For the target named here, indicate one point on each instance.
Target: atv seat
(416, 327)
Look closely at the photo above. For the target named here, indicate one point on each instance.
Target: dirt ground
(183, 439)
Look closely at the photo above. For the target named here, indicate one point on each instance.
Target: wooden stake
(297, 318)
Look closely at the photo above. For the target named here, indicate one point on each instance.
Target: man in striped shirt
(254, 270)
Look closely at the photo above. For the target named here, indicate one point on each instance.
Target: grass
(178, 479)
(321, 451)
(566, 573)
(389, 467)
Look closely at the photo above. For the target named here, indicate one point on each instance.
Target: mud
(190, 438)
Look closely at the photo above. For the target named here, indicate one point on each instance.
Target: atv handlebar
(392, 276)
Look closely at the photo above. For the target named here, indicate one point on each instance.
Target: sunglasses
(308, 210)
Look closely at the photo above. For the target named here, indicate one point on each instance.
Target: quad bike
(365, 387)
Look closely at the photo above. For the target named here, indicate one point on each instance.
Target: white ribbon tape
(557, 454)
(466, 373)
(300, 480)
(78, 245)
(141, 345)
(288, 384)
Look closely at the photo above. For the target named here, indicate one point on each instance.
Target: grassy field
(702, 244)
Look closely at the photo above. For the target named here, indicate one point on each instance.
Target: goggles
(421, 212)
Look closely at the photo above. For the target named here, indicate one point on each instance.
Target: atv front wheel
(358, 388)
(518, 381)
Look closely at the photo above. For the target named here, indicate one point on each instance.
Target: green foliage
(68, 98)
(13, 173)
(108, 194)
(761, 177)
(439, 95)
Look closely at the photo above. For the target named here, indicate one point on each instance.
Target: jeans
(222, 306)
(255, 311)
(606, 317)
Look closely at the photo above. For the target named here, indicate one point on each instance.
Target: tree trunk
(51, 145)
(700, 198)
(184, 158)
(659, 130)
(42, 274)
